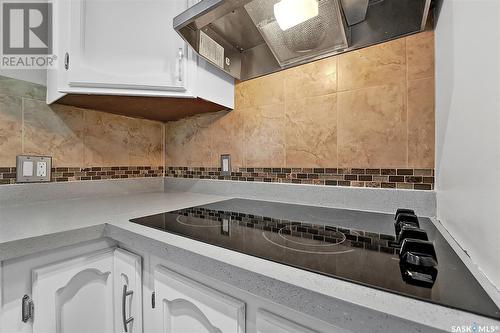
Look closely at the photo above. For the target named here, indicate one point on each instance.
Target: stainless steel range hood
(250, 38)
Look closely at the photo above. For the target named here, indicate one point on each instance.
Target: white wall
(468, 128)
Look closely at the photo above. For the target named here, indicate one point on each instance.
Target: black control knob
(411, 232)
(422, 277)
(418, 252)
(405, 219)
(418, 262)
(405, 211)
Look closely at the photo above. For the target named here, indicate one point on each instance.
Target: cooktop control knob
(411, 232)
(405, 211)
(418, 262)
(405, 219)
(418, 252)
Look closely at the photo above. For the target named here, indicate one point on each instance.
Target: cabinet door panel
(75, 295)
(184, 305)
(127, 44)
(79, 295)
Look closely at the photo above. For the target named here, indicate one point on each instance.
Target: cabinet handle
(181, 56)
(126, 320)
(66, 61)
(27, 308)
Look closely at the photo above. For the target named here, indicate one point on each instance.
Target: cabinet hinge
(27, 308)
(153, 300)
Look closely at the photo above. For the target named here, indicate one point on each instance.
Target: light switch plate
(225, 165)
(33, 169)
(226, 225)
(28, 168)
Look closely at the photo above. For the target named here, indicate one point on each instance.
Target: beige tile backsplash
(311, 136)
(57, 131)
(372, 127)
(188, 135)
(264, 135)
(313, 79)
(10, 129)
(371, 108)
(368, 108)
(421, 123)
(420, 55)
(73, 137)
(383, 64)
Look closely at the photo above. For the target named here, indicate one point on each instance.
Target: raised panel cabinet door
(184, 305)
(127, 44)
(77, 295)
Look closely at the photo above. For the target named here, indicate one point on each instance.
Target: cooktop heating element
(399, 253)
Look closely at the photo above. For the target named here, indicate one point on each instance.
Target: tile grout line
(285, 108)
(407, 106)
(337, 109)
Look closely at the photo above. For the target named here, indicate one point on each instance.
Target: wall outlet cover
(225, 165)
(33, 169)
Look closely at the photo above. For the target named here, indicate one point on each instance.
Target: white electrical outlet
(33, 169)
(41, 169)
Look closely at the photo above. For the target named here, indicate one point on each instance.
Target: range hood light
(289, 13)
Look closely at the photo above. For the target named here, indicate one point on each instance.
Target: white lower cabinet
(69, 292)
(99, 292)
(268, 322)
(99, 288)
(183, 305)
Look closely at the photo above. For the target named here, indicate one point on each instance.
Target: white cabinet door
(129, 47)
(127, 44)
(183, 305)
(80, 294)
(268, 322)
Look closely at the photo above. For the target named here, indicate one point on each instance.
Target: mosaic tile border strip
(388, 178)
(67, 174)
(416, 179)
(322, 233)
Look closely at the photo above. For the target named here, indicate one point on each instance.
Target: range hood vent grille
(324, 33)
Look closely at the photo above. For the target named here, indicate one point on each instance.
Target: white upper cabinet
(129, 47)
(127, 44)
(100, 293)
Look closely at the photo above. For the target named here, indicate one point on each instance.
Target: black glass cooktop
(360, 247)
